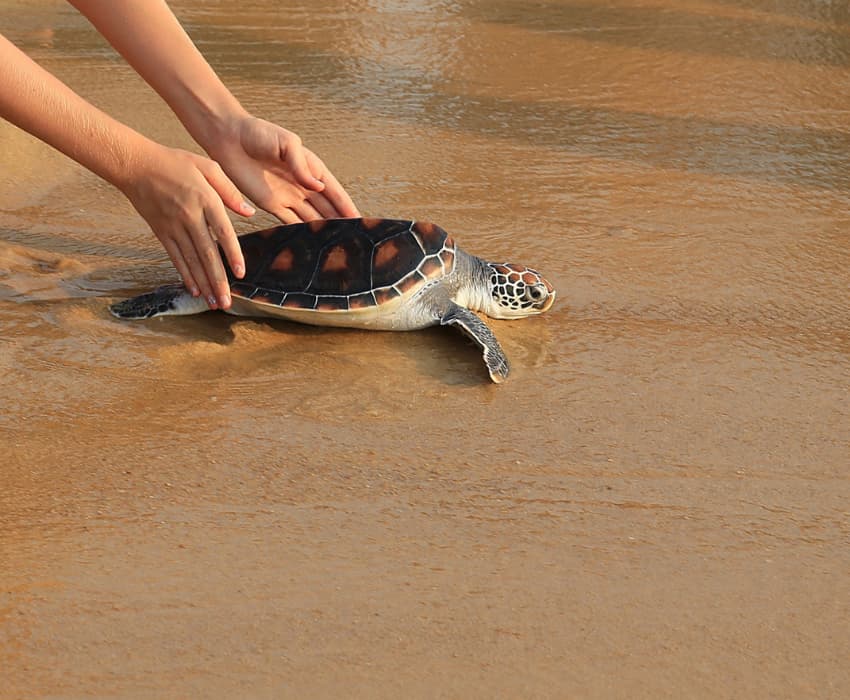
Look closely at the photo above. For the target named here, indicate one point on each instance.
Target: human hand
(274, 169)
(182, 196)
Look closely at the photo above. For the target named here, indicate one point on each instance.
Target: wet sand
(654, 504)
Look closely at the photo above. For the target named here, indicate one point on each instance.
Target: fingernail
(224, 302)
(239, 270)
(211, 301)
(195, 292)
(247, 209)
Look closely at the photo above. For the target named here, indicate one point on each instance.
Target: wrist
(216, 124)
(134, 162)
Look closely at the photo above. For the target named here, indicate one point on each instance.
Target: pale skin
(181, 195)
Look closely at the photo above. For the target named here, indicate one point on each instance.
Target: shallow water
(654, 504)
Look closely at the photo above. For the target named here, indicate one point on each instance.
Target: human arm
(267, 162)
(181, 195)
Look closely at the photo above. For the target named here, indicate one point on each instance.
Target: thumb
(293, 154)
(225, 189)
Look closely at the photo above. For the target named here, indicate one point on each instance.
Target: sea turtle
(384, 274)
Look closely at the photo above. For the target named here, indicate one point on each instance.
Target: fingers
(224, 187)
(339, 198)
(322, 206)
(176, 255)
(316, 206)
(188, 263)
(293, 153)
(334, 193)
(221, 229)
(286, 215)
(195, 255)
(306, 211)
(209, 259)
(332, 203)
(219, 225)
(301, 211)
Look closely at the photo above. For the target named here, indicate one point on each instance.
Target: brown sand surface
(655, 505)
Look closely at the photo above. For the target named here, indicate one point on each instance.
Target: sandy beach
(654, 505)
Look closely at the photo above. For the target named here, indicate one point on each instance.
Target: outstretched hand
(278, 173)
(182, 196)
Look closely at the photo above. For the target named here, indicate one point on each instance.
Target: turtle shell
(339, 265)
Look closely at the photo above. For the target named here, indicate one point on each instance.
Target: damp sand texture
(654, 505)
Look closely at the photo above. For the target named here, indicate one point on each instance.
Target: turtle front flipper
(475, 328)
(169, 300)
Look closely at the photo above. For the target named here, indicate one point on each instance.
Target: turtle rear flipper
(168, 300)
(475, 328)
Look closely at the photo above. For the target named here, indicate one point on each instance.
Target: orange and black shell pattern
(341, 264)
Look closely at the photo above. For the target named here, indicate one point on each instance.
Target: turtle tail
(169, 300)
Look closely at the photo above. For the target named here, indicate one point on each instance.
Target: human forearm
(267, 162)
(37, 102)
(149, 37)
(181, 195)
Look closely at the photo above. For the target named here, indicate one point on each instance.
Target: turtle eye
(535, 293)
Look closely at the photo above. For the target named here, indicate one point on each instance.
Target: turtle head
(517, 291)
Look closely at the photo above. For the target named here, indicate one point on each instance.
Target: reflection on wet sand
(654, 504)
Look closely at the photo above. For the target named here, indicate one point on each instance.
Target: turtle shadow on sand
(448, 358)
(380, 357)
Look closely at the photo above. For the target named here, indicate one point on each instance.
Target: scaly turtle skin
(384, 274)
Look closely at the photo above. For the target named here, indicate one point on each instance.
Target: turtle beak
(550, 298)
